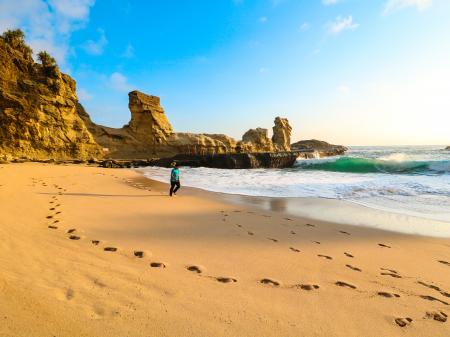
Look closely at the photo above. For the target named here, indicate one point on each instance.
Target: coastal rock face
(323, 149)
(281, 138)
(38, 116)
(148, 121)
(149, 134)
(447, 148)
(256, 140)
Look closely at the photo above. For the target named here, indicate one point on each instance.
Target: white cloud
(395, 5)
(119, 82)
(305, 26)
(340, 24)
(128, 52)
(263, 19)
(47, 24)
(96, 47)
(329, 2)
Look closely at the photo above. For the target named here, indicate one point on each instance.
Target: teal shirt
(175, 175)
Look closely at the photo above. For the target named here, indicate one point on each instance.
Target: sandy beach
(87, 251)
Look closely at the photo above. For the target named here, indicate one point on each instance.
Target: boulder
(447, 148)
(256, 140)
(323, 149)
(281, 138)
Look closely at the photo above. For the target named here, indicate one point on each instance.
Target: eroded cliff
(38, 118)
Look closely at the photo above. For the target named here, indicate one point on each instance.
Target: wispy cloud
(305, 26)
(329, 2)
(341, 24)
(395, 5)
(48, 24)
(119, 82)
(128, 53)
(96, 47)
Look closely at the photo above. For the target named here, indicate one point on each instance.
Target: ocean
(410, 180)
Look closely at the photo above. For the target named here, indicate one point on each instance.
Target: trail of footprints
(438, 316)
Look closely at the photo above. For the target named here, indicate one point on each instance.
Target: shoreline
(339, 211)
(88, 251)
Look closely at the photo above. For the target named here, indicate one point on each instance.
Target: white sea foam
(421, 195)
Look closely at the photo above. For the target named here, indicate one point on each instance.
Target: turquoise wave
(369, 165)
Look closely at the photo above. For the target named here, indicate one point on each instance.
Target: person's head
(175, 164)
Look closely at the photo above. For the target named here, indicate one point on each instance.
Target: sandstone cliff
(38, 118)
(282, 134)
(149, 134)
(256, 140)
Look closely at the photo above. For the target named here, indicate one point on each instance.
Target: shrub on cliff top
(16, 39)
(46, 59)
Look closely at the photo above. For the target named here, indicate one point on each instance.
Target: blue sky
(355, 72)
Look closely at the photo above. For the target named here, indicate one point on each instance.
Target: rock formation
(41, 118)
(38, 118)
(323, 149)
(282, 135)
(149, 134)
(256, 140)
(447, 148)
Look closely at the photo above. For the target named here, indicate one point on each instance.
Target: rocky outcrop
(149, 134)
(38, 117)
(256, 140)
(234, 160)
(321, 148)
(281, 138)
(447, 148)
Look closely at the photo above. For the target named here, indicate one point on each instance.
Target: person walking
(174, 179)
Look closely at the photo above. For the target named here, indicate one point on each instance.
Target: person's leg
(172, 185)
(177, 187)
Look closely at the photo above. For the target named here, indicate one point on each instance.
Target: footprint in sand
(157, 265)
(138, 254)
(52, 209)
(308, 287)
(288, 219)
(58, 213)
(353, 268)
(56, 221)
(74, 237)
(316, 242)
(110, 249)
(444, 262)
(250, 233)
(49, 216)
(387, 295)
(344, 232)
(345, 284)
(95, 242)
(72, 230)
(348, 255)
(70, 294)
(325, 256)
(293, 233)
(433, 299)
(294, 249)
(402, 322)
(270, 282)
(271, 239)
(52, 227)
(391, 275)
(431, 286)
(226, 279)
(383, 245)
(195, 269)
(437, 316)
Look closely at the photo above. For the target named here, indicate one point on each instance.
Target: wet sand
(87, 251)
